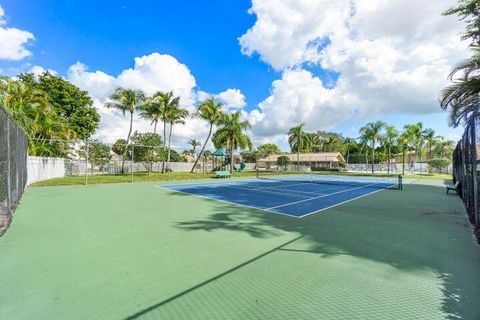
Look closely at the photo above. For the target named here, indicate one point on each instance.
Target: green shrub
(439, 163)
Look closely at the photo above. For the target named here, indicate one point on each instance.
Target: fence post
(473, 154)
(9, 173)
(86, 163)
(131, 164)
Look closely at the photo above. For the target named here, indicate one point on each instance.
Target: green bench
(222, 174)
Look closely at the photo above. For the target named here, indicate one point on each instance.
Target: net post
(400, 182)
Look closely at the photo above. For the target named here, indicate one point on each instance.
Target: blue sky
(321, 63)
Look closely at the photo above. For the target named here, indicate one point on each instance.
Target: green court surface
(136, 251)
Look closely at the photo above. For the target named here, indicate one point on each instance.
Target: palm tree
(404, 140)
(462, 96)
(176, 115)
(126, 100)
(349, 142)
(416, 138)
(154, 109)
(371, 132)
(298, 141)
(429, 136)
(231, 134)
(388, 140)
(194, 143)
(210, 111)
(363, 141)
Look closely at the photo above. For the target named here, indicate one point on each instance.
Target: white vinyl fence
(415, 167)
(39, 169)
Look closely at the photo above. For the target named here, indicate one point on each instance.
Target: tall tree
(154, 110)
(429, 136)
(126, 100)
(389, 139)
(194, 143)
(68, 101)
(349, 143)
(231, 134)
(415, 132)
(210, 111)
(176, 115)
(404, 140)
(298, 141)
(371, 131)
(268, 149)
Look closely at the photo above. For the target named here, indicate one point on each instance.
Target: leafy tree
(147, 148)
(415, 132)
(126, 100)
(194, 143)
(251, 156)
(283, 162)
(349, 143)
(68, 101)
(298, 140)
(119, 147)
(47, 131)
(404, 140)
(176, 115)
(439, 163)
(210, 111)
(429, 136)
(154, 110)
(98, 153)
(268, 149)
(371, 132)
(468, 11)
(231, 134)
(389, 140)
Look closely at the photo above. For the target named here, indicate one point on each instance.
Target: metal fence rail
(465, 170)
(13, 167)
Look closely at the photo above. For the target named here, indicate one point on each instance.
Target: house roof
(308, 157)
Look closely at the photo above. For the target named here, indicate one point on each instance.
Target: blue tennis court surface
(295, 198)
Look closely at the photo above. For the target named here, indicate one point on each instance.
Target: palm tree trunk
(169, 141)
(164, 142)
(366, 159)
(203, 148)
(403, 161)
(128, 140)
(155, 127)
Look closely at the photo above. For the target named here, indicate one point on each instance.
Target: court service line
(337, 204)
(269, 191)
(230, 202)
(327, 195)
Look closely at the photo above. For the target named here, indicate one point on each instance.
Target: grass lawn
(136, 251)
(156, 176)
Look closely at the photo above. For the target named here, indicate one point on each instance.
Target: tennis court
(295, 194)
(139, 251)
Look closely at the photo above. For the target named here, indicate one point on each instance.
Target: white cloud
(13, 41)
(232, 98)
(150, 73)
(391, 57)
(38, 70)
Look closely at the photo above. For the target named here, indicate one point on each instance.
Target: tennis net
(380, 181)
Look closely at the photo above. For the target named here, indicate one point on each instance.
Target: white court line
(337, 204)
(322, 196)
(229, 202)
(314, 193)
(268, 191)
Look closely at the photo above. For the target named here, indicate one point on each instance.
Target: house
(324, 160)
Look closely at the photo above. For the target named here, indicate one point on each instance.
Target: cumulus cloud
(13, 41)
(390, 57)
(232, 98)
(150, 73)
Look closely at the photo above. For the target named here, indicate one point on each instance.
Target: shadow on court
(415, 232)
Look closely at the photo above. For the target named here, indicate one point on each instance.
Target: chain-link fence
(465, 171)
(13, 167)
